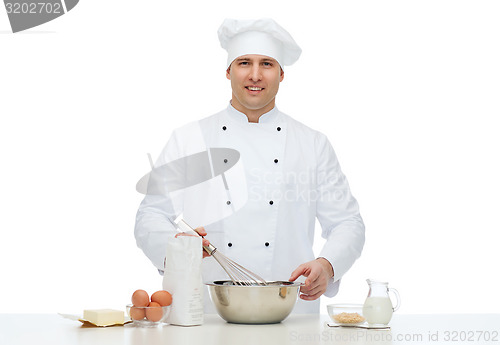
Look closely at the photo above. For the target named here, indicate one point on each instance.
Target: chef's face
(255, 82)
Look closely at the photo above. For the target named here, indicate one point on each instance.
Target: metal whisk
(238, 274)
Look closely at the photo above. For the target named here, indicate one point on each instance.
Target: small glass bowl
(346, 314)
(147, 316)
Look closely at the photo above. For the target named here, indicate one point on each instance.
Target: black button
(225, 160)
(278, 129)
(229, 244)
(271, 202)
(224, 128)
(266, 244)
(276, 161)
(228, 202)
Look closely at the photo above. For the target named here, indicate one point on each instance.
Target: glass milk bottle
(378, 308)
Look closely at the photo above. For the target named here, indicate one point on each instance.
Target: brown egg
(154, 312)
(140, 298)
(137, 313)
(162, 297)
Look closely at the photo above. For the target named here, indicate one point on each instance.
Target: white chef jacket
(292, 178)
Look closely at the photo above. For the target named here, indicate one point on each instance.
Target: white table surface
(296, 329)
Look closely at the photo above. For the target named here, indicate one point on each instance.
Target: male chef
(289, 177)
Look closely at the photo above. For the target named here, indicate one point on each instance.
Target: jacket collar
(269, 117)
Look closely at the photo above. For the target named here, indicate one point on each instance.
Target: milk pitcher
(378, 307)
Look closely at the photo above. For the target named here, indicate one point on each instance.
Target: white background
(407, 92)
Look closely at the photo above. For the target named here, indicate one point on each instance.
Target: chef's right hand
(201, 231)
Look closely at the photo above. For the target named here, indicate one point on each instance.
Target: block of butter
(104, 317)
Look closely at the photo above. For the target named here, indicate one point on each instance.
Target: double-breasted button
(266, 244)
(278, 129)
(271, 202)
(224, 128)
(276, 160)
(229, 244)
(225, 160)
(228, 202)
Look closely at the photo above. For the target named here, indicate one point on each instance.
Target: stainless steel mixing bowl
(254, 304)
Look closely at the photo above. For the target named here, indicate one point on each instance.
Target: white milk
(377, 310)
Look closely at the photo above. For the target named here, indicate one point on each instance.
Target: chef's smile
(254, 89)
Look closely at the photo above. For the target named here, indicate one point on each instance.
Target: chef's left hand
(318, 272)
